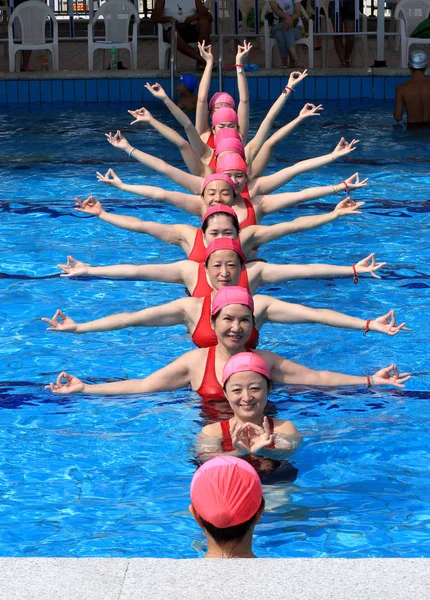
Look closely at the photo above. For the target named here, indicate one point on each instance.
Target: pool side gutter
(133, 579)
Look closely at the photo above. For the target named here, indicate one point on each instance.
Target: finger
(49, 321)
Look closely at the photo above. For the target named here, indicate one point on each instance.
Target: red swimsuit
(204, 289)
(204, 336)
(227, 445)
(210, 388)
(211, 141)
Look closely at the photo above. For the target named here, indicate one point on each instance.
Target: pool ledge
(132, 579)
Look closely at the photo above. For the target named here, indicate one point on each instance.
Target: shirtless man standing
(415, 93)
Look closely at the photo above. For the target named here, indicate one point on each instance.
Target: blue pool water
(94, 476)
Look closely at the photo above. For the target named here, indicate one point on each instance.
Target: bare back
(414, 95)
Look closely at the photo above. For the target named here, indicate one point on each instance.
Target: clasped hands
(251, 437)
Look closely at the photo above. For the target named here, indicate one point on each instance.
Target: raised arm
(270, 273)
(191, 159)
(254, 145)
(256, 235)
(261, 160)
(265, 185)
(190, 203)
(202, 113)
(173, 377)
(200, 148)
(185, 180)
(278, 311)
(166, 315)
(166, 273)
(242, 84)
(171, 234)
(270, 203)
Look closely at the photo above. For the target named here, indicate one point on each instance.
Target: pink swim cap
(224, 244)
(230, 145)
(231, 294)
(226, 491)
(218, 177)
(224, 115)
(219, 208)
(226, 132)
(245, 361)
(231, 162)
(219, 97)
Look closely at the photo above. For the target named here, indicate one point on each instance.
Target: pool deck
(130, 579)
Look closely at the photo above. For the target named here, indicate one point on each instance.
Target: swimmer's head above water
(218, 188)
(220, 221)
(417, 60)
(233, 165)
(224, 117)
(226, 502)
(221, 100)
(224, 263)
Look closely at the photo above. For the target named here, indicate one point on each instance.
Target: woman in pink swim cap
(227, 502)
(246, 383)
(202, 369)
(219, 220)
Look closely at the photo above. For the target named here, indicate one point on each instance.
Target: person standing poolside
(414, 95)
(226, 502)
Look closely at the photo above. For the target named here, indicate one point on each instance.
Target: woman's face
(239, 179)
(219, 226)
(217, 192)
(223, 124)
(233, 326)
(247, 394)
(223, 268)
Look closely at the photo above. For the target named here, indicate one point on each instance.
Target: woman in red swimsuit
(194, 240)
(246, 384)
(201, 369)
(226, 260)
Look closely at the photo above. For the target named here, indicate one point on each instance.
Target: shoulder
(213, 430)
(285, 427)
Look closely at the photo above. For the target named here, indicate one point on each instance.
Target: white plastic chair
(327, 27)
(270, 43)
(116, 15)
(32, 18)
(410, 13)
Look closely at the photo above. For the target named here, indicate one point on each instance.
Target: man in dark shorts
(193, 24)
(415, 93)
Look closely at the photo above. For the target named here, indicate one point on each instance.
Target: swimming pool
(88, 476)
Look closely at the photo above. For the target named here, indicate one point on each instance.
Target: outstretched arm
(265, 185)
(171, 234)
(285, 371)
(155, 316)
(190, 203)
(256, 235)
(202, 114)
(185, 180)
(270, 273)
(199, 147)
(191, 159)
(261, 160)
(242, 84)
(253, 147)
(273, 202)
(277, 311)
(167, 273)
(173, 377)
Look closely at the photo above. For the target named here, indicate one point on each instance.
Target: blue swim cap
(417, 59)
(190, 81)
